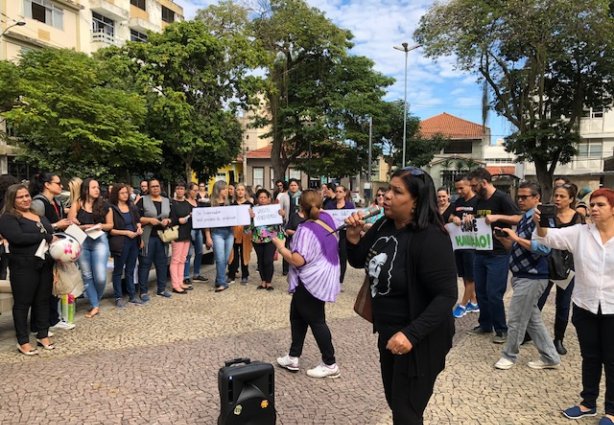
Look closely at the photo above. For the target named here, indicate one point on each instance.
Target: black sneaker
(500, 337)
(481, 331)
(200, 278)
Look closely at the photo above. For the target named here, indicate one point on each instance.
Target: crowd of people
(405, 250)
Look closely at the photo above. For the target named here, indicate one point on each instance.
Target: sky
(433, 85)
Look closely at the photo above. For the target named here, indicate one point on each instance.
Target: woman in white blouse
(592, 246)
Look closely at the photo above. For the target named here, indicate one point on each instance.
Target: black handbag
(560, 264)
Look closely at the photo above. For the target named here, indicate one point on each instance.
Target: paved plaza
(158, 364)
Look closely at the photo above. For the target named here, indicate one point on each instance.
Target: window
(103, 25)
(168, 15)
(138, 3)
(258, 176)
(592, 113)
(593, 149)
(137, 36)
(458, 146)
(293, 173)
(44, 11)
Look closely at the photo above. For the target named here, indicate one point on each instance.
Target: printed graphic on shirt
(381, 263)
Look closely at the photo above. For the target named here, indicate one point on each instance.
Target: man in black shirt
(465, 207)
(491, 267)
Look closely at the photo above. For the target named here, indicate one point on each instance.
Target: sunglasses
(415, 171)
(524, 197)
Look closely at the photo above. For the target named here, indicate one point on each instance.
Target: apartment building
(81, 25)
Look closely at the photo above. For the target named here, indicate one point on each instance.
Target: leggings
(265, 253)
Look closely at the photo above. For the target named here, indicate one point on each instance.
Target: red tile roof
(262, 153)
(451, 127)
(501, 169)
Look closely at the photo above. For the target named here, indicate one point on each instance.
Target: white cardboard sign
(340, 215)
(211, 217)
(475, 235)
(265, 215)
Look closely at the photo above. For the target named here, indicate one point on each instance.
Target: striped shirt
(321, 271)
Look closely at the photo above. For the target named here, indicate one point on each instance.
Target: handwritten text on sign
(473, 235)
(267, 214)
(340, 215)
(207, 218)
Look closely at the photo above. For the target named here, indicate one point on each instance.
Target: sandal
(31, 352)
(93, 312)
(49, 346)
(220, 288)
(260, 287)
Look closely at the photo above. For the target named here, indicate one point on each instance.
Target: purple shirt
(320, 273)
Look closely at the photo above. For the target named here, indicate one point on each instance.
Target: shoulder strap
(326, 227)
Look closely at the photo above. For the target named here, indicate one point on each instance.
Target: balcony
(104, 38)
(142, 25)
(108, 9)
(578, 166)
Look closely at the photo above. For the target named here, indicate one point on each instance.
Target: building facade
(80, 25)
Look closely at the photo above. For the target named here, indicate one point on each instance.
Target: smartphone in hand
(547, 215)
(501, 233)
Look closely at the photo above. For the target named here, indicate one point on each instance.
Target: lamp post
(16, 24)
(404, 48)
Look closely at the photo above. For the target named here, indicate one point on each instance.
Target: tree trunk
(544, 178)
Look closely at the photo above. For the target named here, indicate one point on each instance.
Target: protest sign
(211, 217)
(473, 235)
(340, 215)
(267, 214)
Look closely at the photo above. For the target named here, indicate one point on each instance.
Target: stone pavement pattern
(158, 363)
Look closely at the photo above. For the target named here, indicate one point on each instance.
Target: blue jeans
(197, 250)
(156, 255)
(93, 265)
(127, 261)
(490, 273)
(223, 239)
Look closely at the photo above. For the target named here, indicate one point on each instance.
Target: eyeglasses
(380, 195)
(154, 185)
(524, 197)
(58, 183)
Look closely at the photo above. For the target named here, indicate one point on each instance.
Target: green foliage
(318, 95)
(194, 82)
(543, 62)
(70, 123)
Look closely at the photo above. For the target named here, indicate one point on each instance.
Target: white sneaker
(540, 364)
(324, 371)
(288, 362)
(63, 325)
(504, 364)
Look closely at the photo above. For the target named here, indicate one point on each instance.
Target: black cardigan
(116, 242)
(24, 235)
(432, 293)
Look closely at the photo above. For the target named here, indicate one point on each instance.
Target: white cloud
(433, 86)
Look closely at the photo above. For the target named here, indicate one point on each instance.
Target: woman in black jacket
(124, 242)
(409, 259)
(31, 276)
(181, 215)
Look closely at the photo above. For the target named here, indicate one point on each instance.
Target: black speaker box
(247, 393)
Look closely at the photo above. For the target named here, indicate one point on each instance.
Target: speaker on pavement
(247, 393)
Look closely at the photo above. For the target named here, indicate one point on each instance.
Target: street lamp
(404, 48)
(16, 24)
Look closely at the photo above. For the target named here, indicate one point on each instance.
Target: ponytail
(314, 212)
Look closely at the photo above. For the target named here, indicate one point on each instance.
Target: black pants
(265, 253)
(237, 259)
(596, 338)
(308, 311)
(563, 306)
(54, 313)
(407, 396)
(285, 266)
(343, 254)
(31, 283)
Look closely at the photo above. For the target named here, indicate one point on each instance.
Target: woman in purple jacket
(313, 280)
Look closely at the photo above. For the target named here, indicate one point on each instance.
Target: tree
(67, 121)
(194, 82)
(420, 150)
(319, 95)
(542, 61)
